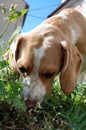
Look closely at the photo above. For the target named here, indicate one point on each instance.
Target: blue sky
(38, 12)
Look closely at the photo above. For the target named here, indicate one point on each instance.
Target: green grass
(56, 112)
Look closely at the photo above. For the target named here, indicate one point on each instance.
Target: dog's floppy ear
(14, 52)
(71, 67)
(19, 47)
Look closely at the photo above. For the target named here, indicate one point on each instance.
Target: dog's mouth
(30, 103)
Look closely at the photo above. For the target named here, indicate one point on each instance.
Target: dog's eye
(22, 69)
(48, 75)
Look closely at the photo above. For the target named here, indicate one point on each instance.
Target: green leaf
(14, 35)
(3, 64)
(2, 89)
(82, 125)
(81, 117)
(24, 11)
(14, 16)
(4, 11)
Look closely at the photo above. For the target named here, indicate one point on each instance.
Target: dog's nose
(22, 69)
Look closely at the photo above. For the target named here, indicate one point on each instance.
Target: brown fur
(62, 57)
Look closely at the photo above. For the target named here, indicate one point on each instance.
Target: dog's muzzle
(33, 92)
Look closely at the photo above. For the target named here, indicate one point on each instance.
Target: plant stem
(3, 32)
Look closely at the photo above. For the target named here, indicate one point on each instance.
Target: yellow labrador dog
(57, 46)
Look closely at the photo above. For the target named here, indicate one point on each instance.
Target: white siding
(20, 6)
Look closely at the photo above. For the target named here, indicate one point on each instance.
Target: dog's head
(40, 56)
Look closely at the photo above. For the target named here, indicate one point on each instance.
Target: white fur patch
(62, 15)
(34, 88)
(74, 36)
(39, 53)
